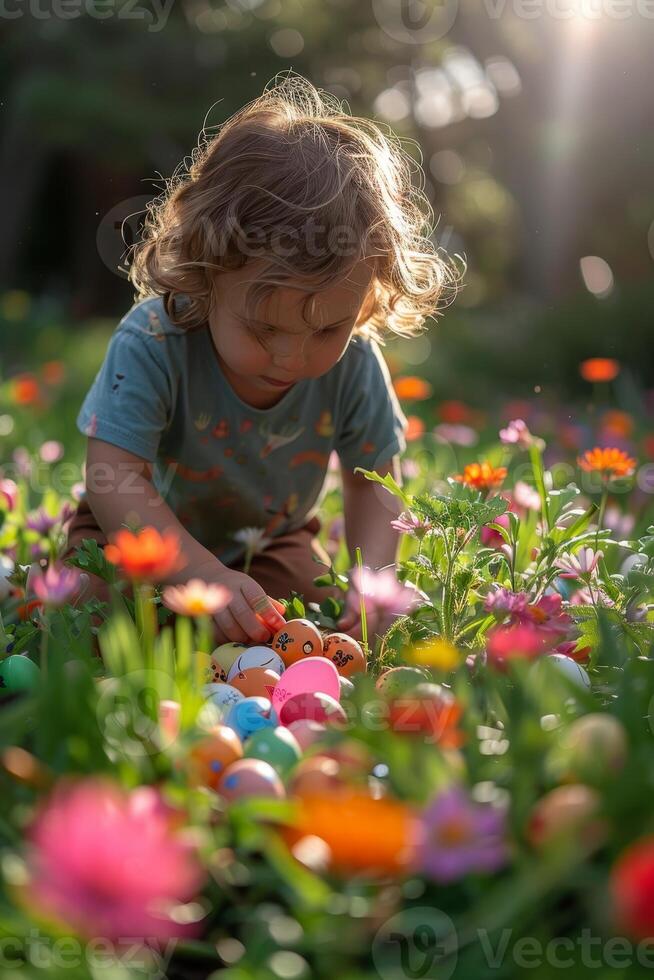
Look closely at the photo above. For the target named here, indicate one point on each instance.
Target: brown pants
(285, 565)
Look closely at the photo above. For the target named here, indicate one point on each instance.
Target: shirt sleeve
(372, 424)
(130, 401)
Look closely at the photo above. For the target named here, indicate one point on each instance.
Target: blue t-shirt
(219, 463)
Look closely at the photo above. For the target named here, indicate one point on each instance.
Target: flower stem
(362, 603)
(145, 619)
(600, 517)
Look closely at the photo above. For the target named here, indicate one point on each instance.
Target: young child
(265, 280)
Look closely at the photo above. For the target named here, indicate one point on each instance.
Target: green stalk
(362, 604)
(204, 640)
(536, 458)
(145, 620)
(600, 518)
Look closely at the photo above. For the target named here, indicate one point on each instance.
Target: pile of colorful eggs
(275, 702)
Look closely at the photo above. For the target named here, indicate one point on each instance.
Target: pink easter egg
(306, 732)
(312, 706)
(250, 777)
(310, 675)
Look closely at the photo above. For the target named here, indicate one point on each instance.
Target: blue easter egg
(250, 715)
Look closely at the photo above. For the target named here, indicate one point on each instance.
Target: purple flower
(57, 586)
(503, 602)
(43, 522)
(461, 836)
(583, 563)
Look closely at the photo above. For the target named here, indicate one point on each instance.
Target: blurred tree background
(532, 123)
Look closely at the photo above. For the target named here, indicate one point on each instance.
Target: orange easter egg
(257, 682)
(212, 754)
(298, 639)
(251, 777)
(345, 653)
(317, 775)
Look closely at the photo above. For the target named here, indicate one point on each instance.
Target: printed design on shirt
(275, 440)
(241, 460)
(156, 329)
(194, 476)
(245, 426)
(309, 456)
(289, 507)
(92, 425)
(368, 447)
(325, 426)
(202, 421)
(221, 429)
(116, 385)
(229, 451)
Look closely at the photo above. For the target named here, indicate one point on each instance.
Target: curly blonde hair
(292, 160)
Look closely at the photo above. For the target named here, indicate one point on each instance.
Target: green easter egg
(225, 655)
(398, 681)
(276, 746)
(18, 673)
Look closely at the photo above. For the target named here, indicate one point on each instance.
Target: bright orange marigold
(25, 390)
(362, 834)
(415, 429)
(599, 369)
(482, 476)
(411, 388)
(147, 555)
(610, 463)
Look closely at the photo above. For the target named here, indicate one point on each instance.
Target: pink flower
(9, 489)
(517, 434)
(410, 468)
(196, 598)
(523, 641)
(583, 563)
(382, 593)
(524, 498)
(409, 523)
(461, 837)
(57, 586)
(109, 863)
(491, 538)
(545, 615)
(456, 435)
(588, 597)
(51, 451)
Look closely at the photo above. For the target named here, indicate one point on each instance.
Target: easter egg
(565, 667)
(251, 777)
(307, 732)
(591, 750)
(567, 812)
(277, 746)
(212, 754)
(319, 774)
(223, 657)
(257, 682)
(18, 673)
(205, 670)
(222, 695)
(398, 681)
(297, 639)
(314, 706)
(256, 657)
(249, 716)
(345, 653)
(309, 675)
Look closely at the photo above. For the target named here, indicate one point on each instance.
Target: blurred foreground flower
(43, 522)
(412, 388)
(196, 598)
(481, 476)
(609, 463)
(255, 541)
(520, 642)
(147, 555)
(382, 593)
(362, 834)
(57, 586)
(461, 836)
(517, 434)
(632, 888)
(110, 863)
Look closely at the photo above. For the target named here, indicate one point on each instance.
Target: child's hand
(251, 616)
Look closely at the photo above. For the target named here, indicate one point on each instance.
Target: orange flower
(411, 388)
(482, 476)
(25, 390)
(53, 372)
(599, 369)
(434, 713)
(416, 428)
(147, 555)
(619, 424)
(611, 463)
(362, 834)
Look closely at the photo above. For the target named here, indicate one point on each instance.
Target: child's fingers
(230, 627)
(263, 606)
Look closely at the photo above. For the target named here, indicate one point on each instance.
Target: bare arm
(120, 492)
(369, 509)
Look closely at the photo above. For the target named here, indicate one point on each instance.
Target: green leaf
(386, 481)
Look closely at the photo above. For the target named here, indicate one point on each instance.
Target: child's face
(276, 344)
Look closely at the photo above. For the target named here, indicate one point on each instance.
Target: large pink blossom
(545, 615)
(110, 863)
